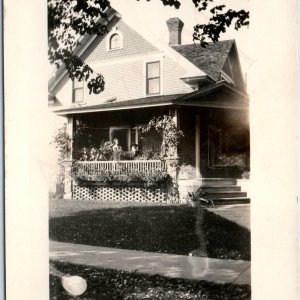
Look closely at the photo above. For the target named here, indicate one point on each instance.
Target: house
(203, 92)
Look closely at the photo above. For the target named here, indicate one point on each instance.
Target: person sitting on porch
(84, 155)
(101, 155)
(93, 154)
(134, 150)
(117, 149)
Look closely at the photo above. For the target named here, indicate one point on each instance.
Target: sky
(149, 19)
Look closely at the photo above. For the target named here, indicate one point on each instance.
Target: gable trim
(84, 43)
(239, 64)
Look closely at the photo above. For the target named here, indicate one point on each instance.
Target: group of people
(112, 152)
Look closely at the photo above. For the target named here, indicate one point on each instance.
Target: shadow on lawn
(172, 229)
(112, 284)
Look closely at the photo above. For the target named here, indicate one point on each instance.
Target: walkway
(238, 213)
(179, 266)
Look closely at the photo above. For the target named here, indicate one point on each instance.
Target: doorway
(122, 133)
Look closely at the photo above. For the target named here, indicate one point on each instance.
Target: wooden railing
(119, 167)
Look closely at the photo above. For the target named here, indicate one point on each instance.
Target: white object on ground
(75, 285)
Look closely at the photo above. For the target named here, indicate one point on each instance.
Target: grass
(166, 229)
(107, 284)
(60, 207)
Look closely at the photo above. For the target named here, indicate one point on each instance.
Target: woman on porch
(117, 150)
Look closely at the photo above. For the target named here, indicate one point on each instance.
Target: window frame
(115, 34)
(74, 89)
(151, 78)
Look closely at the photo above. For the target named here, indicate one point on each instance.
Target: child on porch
(93, 154)
(134, 150)
(84, 155)
(117, 149)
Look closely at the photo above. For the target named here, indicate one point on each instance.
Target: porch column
(197, 145)
(172, 169)
(174, 113)
(68, 163)
(70, 129)
(68, 179)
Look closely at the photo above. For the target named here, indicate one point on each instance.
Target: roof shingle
(210, 59)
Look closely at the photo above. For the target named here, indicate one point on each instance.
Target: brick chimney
(175, 26)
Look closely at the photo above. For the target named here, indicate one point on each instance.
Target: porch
(215, 142)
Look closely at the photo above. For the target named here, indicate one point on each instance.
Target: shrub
(155, 177)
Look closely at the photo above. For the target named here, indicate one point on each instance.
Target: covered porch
(214, 122)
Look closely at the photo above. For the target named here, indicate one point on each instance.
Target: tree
(68, 20)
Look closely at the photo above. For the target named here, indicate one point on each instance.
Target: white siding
(172, 74)
(123, 80)
(64, 96)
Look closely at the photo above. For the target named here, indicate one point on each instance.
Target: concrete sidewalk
(238, 213)
(178, 266)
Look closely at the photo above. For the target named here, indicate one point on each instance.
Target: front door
(123, 135)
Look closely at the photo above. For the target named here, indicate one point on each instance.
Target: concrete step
(218, 181)
(212, 189)
(227, 201)
(226, 194)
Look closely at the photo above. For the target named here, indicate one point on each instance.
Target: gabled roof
(210, 59)
(89, 42)
(197, 98)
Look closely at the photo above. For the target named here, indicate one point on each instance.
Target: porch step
(227, 201)
(226, 194)
(217, 188)
(218, 182)
(223, 191)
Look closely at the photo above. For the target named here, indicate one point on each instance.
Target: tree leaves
(68, 20)
(218, 24)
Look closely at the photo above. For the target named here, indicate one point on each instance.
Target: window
(114, 42)
(153, 78)
(78, 93)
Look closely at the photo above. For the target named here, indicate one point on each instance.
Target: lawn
(106, 284)
(165, 229)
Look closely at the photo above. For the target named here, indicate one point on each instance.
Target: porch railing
(119, 167)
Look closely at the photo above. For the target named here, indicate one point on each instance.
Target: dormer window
(153, 78)
(114, 40)
(78, 93)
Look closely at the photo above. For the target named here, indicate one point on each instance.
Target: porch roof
(203, 97)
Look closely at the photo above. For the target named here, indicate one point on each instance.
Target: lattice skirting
(117, 194)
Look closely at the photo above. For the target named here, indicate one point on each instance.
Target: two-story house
(202, 89)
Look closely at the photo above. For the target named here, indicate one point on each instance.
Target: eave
(201, 98)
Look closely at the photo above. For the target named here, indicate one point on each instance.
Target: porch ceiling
(210, 96)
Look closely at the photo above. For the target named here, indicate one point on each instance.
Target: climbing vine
(166, 126)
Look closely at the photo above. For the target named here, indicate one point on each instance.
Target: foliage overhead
(68, 20)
